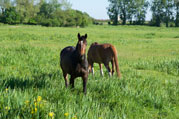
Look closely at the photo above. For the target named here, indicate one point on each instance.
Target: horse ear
(85, 35)
(78, 35)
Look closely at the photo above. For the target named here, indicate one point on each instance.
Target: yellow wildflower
(100, 118)
(27, 102)
(39, 98)
(32, 112)
(66, 114)
(7, 108)
(35, 104)
(6, 89)
(51, 114)
(35, 109)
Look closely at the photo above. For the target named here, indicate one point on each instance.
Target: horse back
(67, 51)
(65, 58)
(101, 53)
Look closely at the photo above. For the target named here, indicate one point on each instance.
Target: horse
(73, 61)
(103, 53)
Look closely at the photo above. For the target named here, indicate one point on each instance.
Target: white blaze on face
(82, 48)
(81, 42)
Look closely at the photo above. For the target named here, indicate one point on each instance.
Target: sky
(95, 8)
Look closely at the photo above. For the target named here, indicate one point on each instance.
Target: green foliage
(10, 16)
(32, 85)
(169, 5)
(54, 16)
(128, 10)
(52, 13)
(113, 11)
(176, 5)
(26, 8)
(164, 11)
(46, 10)
(140, 11)
(134, 11)
(65, 18)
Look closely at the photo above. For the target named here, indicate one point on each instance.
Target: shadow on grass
(23, 83)
(38, 81)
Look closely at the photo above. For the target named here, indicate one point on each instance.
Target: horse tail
(116, 61)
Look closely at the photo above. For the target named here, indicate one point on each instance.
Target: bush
(171, 24)
(55, 22)
(46, 22)
(10, 16)
(63, 18)
(48, 15)
(32, 21)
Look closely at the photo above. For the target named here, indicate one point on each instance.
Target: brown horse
(73, 61)
(103, 53)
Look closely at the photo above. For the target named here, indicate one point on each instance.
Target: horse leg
(72, 81)
(66, 79)
(108, 68)
(89, 68)
(101, 69)
(85, 78)
(92, 69)
(113, 63)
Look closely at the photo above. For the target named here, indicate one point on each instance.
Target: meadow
(32, 85)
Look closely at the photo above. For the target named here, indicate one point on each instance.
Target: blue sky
(95, 8)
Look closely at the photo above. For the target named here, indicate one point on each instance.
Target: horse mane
(95, 43)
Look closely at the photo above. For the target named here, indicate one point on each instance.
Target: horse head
(82, 44)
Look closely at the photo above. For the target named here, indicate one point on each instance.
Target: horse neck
(79, 57)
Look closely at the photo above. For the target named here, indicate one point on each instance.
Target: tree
(176, 4)
(127, 10)
(10, 16)
(42, 12)
(168, 9)
(157, 9)
(113, 11)
(27, 9)
(140, 10)
(86, 19)
(46, 10)
(55, 4)
(124, 7)
(4, 4)
(163, 11)
(118, 8)
(131, 10)
(65, 5)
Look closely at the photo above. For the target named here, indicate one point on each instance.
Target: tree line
(134, 12)
(42, 12)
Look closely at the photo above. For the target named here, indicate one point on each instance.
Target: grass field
(32, 86)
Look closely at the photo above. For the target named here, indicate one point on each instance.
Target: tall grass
(32, 85)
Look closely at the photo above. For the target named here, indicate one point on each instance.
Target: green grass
(29, 67)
